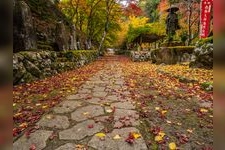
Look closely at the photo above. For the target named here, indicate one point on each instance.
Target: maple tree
(98, 19)
(190, 18)
(133, 10)
(111, 7)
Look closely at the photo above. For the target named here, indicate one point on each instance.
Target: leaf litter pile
(174, 114)
(32, 100)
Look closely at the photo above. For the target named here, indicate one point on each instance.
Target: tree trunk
(102, 41)
(106, 25)
(74, 34)
(189, 23)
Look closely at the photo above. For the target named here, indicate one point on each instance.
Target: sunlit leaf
(136, 135)
(158, 138)
(117, 137)
(203, 110)
(172, 146)
(100, 135)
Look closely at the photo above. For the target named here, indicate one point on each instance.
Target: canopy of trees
(113, 23)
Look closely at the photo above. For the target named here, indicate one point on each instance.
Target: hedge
(182, 49)
(205, 40)
(76, 55)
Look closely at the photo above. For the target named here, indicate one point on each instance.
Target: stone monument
(172, 21)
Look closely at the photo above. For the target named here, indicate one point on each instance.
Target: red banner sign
(206, 7)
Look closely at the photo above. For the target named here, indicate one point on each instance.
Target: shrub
(76, 55)
(183, 49)
(204, 41)
(208, 86)
(122, 52)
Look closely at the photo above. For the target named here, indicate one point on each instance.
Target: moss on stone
(76, 55)
(182, 49)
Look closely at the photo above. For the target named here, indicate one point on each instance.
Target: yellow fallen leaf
(86, 113)
(14, 104)
(162, 134)
(44, 107)
(109, 110)
(172, 146)
(117, 137)
(136, 135)
(23, 125)
(211, 116)
(169, 122)
(17, 115)
(49, 117)
(203, 110)
(187, 109)
(38, 104)
(179, 124)
(158, 138)
(79, 146)
(189, 130)
(164, 112)
(100, 135)
(107, 104)
(157, 108)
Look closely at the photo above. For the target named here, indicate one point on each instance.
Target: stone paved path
(101, 105)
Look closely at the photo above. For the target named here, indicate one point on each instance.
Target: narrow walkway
(100, 116)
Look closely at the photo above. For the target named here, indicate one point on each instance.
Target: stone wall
(166, 55)
(172, 55)
(39, 24)
(140, 55)
(29, 66)
(203, 56)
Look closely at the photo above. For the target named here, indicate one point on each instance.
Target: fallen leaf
(172, 146)
(179, 124)
(90, 126)
(49, 117)
(100, 135)
(32, 147)
(86, 113)
(38, 104)
(80, 147)
(188, 110)
(158, 138)
(17, 115)
(44, 107)
(169, 122)
(164, 112)
(117, 137)
(157, 108)
(23, 125)
(189, 130)
(136, 135)
(53, 136)
(109, 110)
(162, 134)
(130, 139)
(203, 110)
